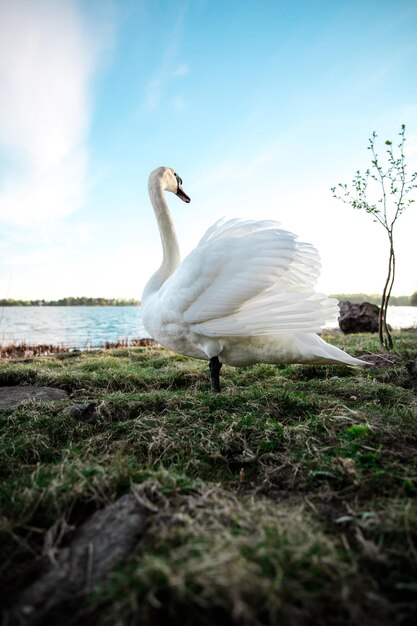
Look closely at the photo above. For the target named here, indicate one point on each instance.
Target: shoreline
(26, 350)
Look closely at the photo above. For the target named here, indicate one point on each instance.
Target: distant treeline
(83, 301)
(374, 298)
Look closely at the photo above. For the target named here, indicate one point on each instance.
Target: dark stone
(358, 317)
(83, 411)
(11, 397)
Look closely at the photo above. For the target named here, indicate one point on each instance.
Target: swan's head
(170, 181)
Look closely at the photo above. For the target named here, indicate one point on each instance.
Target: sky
(261, 107)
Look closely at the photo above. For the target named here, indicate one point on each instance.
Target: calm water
(91, 327)
(72, 326)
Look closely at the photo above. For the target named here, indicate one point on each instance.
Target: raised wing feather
(246, 278)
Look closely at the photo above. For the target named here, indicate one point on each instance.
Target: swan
(244, 295)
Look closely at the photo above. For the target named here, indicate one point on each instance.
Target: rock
(11, 397)
(358, 317)
(83, 411)
(102, 542)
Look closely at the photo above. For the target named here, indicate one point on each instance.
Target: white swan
(244, 295)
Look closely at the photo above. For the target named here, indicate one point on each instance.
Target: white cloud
(156, 90)
(47, 58)
(178, 103)
(181, 70)
(153, 93)
(44, 194)
(168, 72)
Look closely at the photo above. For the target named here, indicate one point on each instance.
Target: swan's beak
(181, 194)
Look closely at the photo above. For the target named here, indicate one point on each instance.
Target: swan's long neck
(170, 247)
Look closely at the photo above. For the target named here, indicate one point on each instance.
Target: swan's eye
(179, 180)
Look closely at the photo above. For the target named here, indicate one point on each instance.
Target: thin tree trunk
(384, 334)
(389, 343)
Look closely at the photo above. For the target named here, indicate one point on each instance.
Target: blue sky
(260, 106)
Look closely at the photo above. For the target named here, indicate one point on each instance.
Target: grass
(288, 499)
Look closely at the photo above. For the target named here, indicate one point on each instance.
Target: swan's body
(245, 294)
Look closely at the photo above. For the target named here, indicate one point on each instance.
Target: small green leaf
(357, 430)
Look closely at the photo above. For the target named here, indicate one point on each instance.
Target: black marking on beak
(180, 191)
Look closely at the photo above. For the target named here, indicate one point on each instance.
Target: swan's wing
(281, 313)
(245, 278)
(223, 229)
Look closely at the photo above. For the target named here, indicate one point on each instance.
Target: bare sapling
(384, 191)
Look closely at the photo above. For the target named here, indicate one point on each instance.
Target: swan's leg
(215, 367)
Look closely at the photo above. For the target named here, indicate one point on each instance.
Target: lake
(91, 327)
(70, 326)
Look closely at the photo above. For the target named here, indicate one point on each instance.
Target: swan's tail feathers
(319, 351)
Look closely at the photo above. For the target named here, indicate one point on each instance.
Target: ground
(290, 498)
